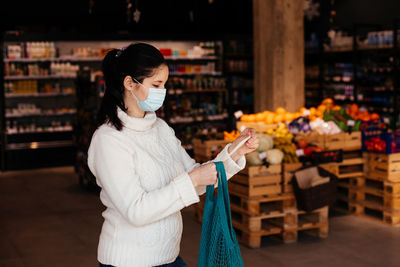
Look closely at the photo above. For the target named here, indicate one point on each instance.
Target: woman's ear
(128, 83)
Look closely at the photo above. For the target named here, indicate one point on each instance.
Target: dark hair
(138, 61)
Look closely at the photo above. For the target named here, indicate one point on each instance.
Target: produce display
(231, 136)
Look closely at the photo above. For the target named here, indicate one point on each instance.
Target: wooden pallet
(257, 223)
(373, 210)
(384, 167)
(206, 150)
(257, 181)
(262, 205)
(345, 196)
(288, 170)
(315, 223)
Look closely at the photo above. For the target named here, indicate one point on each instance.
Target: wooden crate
(384, 167)
(312, 138)
(260, 127)
(288, 170)
(257, 181)
(205, 150)
(344, 141)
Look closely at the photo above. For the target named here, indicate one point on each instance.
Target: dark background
(171, 19)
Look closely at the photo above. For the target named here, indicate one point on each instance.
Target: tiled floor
(46, 219)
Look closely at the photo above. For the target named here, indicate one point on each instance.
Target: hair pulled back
(139, 60)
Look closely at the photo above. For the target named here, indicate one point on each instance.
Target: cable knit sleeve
(112, 164)
(231, 167)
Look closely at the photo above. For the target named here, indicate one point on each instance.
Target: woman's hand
(249, 146)
(204, 175)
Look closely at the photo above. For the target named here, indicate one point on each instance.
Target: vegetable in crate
(265, 142)
(300, 124)
(303, 145)
(274, 156)
(253, 159)
(288, 148)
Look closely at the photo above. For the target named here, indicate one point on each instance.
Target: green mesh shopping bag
(218, 246)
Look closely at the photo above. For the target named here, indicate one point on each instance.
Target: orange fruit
(375, 117)
(280, 110)
(260, 117)
(252, 118)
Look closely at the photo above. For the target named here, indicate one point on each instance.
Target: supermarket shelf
(194, 74)
(42, 132)
(40, 114)
(38, 95)
(37, 77)
(360, 48)
(178, 120)
(191, 58)
(188, 91)
(72, 59)
(38, 145)
(94, 59)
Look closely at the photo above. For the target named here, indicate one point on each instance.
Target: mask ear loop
(132, 90)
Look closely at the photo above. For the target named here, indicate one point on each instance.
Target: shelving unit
(362, 74)
(238, 68)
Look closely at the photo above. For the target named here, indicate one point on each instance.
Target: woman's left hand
(249, 146)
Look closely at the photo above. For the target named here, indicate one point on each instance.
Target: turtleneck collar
(137, 124)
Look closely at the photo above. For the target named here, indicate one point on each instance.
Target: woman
(145, 175)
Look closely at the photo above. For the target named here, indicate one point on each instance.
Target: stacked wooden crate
(259, 208)
(351, 168)
(205, 150)
(377, 195)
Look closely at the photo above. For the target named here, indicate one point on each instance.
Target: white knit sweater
(143, 173)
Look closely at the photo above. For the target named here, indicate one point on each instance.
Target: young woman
(145, 175)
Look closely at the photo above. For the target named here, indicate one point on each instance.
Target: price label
(306, 112)
(262, 155)
(299, 152)
(351, 123)
(178, 92)
(386, 120)
(238, 114)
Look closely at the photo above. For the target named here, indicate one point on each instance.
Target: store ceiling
(157, 16)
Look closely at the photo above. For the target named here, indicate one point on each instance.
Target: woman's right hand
(204, 175)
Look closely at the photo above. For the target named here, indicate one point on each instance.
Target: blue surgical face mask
(154, 100)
